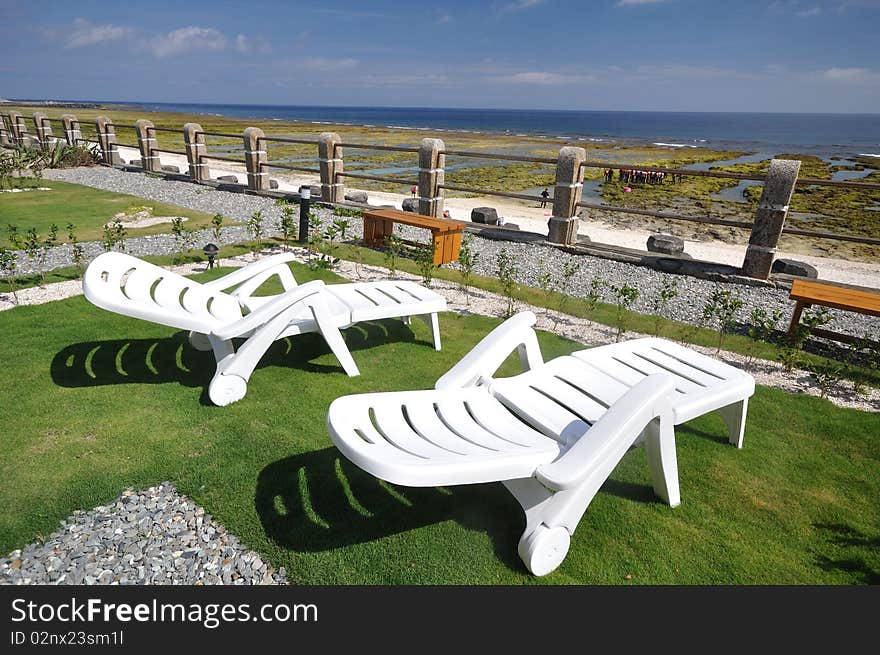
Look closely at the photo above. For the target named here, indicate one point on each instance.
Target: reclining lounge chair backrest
(130, 286)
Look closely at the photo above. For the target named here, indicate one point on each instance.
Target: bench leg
(734, 417)
(795, 318)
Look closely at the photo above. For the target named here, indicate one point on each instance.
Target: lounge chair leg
(433, 324)
(662, 460)
(334, 339)
(734, 417)
(199, 341)
(541, 548)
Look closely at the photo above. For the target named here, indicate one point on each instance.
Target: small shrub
(14, 237)
(506, 272)
(9, 265)
(424, 258)
(570, 268)
(762, 326)
(721, 310)
(76, 250)
(49, 242)
(545, 284)
(393, 249)
(624, 297)
(287, 225)
(668, 291)
(467, 259)
(114, 235)
(255, 228)
(826, 376)
(346, 211)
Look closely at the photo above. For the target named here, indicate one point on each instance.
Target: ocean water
(820, 134)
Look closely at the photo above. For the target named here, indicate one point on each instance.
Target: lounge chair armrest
(484, 359)
(269, 310)
(612, 435)
(250, 271)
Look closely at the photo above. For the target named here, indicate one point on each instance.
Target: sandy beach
(531, 217)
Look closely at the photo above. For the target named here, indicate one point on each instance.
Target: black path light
(210, 251)
(305, 197)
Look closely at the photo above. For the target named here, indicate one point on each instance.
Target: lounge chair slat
(498, 419)
(591, 380)
(454, 413)
(427, 423)
(391, 423)
(539, 411)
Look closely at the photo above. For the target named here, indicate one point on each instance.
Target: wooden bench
(808, 294)
(445, 233)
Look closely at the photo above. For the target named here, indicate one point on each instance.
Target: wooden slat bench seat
(445, 233)
(808, 294)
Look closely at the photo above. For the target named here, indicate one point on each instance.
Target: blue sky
(677, 55)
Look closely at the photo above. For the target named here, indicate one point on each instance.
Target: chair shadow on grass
(844, 537)
(172, 359)
(320, 501)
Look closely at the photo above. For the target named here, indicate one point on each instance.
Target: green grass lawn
(87, 208)
(94, 402)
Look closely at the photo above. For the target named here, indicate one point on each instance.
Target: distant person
(446, 214)
(545, 195)
(414, 190)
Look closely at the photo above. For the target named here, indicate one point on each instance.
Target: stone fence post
(255, 159)
(432, 162)
(195, 150)
(330, 163)
(43, 128)
(770, 217)
(5, 131)
(146, 142)
(107, 140)
(20, 134)
(563, 223)
(71, 129)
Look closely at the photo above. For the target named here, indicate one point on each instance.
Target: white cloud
(324, 65)
(245, 44)
(632, 3)
(83, 33)
(806, 13)
(187, 39)
(851, 75)
(543, 78)
(519, 5)
(444, 18)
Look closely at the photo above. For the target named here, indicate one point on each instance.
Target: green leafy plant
(14, 237)
(255, 228)
(826, 376)
(217, 229)
(467, 259)
(570, 268)
(49, 242)
(624, 297)
(287, 225)
(9, 265)
(545, 284)
(721, 310)
(393, 249)
(114, 235)
(668, 291)
(762, 326)
(506, 272)
(77, 252)
(346, 211)
(423, 255)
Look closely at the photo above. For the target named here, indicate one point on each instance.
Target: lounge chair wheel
(199, 341)
(544, 549)
(226, 389)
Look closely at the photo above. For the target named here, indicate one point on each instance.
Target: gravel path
(531, 259)
(152, 536)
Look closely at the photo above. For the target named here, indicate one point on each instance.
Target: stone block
(356, 196)
(793, 267)
(411, 205)
(168, 168)
(228, 178)
(273, 184)
(666, 244)
(486, 215)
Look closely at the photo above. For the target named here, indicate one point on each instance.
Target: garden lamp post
(305, 197)
(210, 251)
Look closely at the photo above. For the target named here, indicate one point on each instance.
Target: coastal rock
(793, 267)
(411, 205)
(273, 184)
(168, 168)
(486, 215)
(356, 196)
(666, 244)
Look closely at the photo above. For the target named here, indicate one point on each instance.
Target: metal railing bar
(396, 180)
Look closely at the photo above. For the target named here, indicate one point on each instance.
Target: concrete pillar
(5, 131)
(432, 162)
(20, 134)
(71, 129)
(195, 150)
(107, 140)
(563, 223)
(330, 162)
(146, 142)
(770, 217)
(255, 158)
(43, 128)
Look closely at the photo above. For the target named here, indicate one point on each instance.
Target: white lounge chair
(127, 285)
(552, 434)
